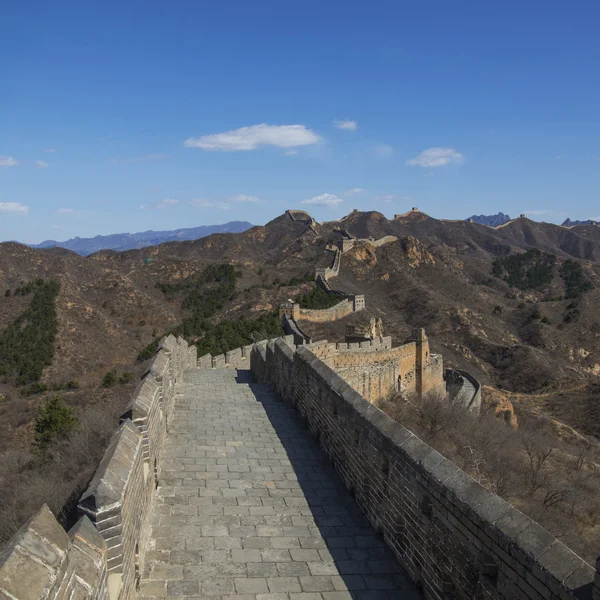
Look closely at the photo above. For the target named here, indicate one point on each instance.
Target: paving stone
(253, 585)
(217, 586)
(246, 556)
(318, 583)
(305, 555)
(284, 584)
(262, 569)
(292, 569)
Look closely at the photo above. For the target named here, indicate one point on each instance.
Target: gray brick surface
(249, 507)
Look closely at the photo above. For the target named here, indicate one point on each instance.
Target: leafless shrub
(555, 482)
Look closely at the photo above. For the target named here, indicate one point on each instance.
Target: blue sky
(127, 116)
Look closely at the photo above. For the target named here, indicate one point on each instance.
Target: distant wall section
(376, 371)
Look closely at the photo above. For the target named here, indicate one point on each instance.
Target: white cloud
(159, 205)
(167, 202)
(347, 125)
(291, 153)
(205, 203)
(383, 150)
(386, 197)
(49, 149)
(243, 198)
(250, 138)
(40, 164)
(330, 200)
(13, 208)
(353, 192)
(436, 157)
(8, 161)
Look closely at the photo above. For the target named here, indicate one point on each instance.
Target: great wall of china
(451, 536)
(295, 487)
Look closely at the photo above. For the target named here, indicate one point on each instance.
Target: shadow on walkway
(360, 558)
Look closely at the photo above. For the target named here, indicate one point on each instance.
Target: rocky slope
(438, 274)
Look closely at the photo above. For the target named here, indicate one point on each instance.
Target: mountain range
(130, 241)
(515, 306)
(569, 223)
(490, 220)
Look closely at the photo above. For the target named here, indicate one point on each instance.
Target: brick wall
(452, 535)
(338, 311)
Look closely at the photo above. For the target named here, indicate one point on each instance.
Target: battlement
(102, 556)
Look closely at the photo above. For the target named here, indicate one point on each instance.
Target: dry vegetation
(60, 472)
(552, 477)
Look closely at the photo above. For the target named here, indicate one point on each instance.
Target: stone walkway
(249, 508)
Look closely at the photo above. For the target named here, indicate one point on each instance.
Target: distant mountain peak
(131, 241)
(490, 220)
(568, 223)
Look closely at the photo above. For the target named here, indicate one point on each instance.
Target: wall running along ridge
(452, 535)
(376, 370)
(102, 556)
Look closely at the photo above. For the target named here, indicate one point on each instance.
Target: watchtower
(290, 309)
(359, 302)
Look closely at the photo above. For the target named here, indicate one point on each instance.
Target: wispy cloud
(66, 211)
(137, 159)
(13, 208)
(347, 125)
(205, 203)
(383, 150)
(49, 149)
(436, 157)
(251, 138)
(8, 161)
(40, 164)
(243, 198)
(291, 153)
(384, 198)
(353, 192)
(160, 205)
(330, 200)
(390, 198)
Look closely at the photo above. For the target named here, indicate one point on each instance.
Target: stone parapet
(102, 556)
(238, 358)
(469, 393)
(42, 561)
(452, 535)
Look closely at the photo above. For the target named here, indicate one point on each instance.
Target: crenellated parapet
(42, 561)
(102, 556)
